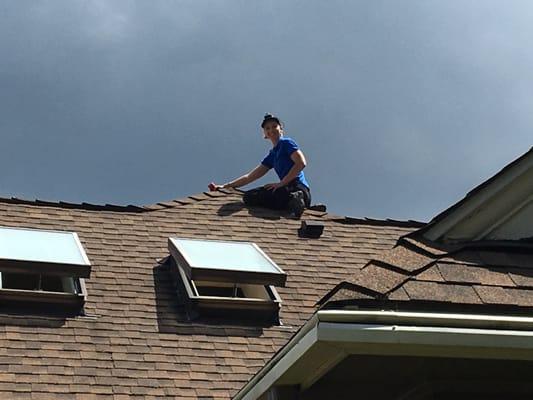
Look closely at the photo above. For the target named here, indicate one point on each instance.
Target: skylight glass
(41, 246)
(226, 261)
(237, 256)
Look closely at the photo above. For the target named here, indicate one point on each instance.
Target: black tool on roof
(311, 229)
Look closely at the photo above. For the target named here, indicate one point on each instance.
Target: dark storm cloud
(400, 107)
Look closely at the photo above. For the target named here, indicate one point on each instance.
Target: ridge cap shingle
(199, 197)
(114, 207)
(348, 220)
(69, 205)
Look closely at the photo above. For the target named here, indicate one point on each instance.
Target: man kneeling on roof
(292, 191)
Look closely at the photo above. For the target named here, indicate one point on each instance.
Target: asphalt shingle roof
(135, 340)
(489, 277)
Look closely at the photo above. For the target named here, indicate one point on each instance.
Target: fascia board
(345, 328)
(427, 319)
(431, 341)
(471, 203)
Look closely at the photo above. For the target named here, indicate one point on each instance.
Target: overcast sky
(401, 107)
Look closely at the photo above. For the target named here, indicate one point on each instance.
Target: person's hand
(214, 187)
(273, 186)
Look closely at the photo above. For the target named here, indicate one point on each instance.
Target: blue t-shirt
(279, 158)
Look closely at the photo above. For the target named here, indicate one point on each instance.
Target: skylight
(42, 267)
(226, 279)
(225, 261)
(42, 251)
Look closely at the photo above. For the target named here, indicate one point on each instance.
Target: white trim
(179, 247)
(505, 218)
(423, 335)
(389, 332)
(18, 228)
(327, 365)
(428, 319)
(474, 202)
(281, 362)
(74, 235)
(81, 249)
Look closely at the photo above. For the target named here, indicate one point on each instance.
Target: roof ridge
(78, 206)
(195, 198)
(320, 214)
(375, 221)
(118, 207)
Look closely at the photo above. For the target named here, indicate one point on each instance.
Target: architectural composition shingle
(442, 310)
(445, 313)
(135, 339)
(467, 274)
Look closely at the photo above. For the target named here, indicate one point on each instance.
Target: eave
(332, 335)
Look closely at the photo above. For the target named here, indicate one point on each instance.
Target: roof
(135, 340)
(489, 206)
(480, 187)
(486, 277)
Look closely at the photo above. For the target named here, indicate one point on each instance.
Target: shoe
(296, 203)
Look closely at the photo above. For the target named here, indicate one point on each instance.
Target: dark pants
(276, 199)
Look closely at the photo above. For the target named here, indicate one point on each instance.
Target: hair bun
(270, 117)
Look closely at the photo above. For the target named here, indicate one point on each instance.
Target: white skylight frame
(10, 261)
(247, 307)
(55, 253)
(274, 275)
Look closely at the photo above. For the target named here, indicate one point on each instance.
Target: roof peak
(495, 209)
(195, 198)
(130, 208)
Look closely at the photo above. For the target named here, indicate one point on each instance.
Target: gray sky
(401, 107)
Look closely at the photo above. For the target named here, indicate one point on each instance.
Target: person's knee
(252, 197)
(247, 198)
(280, 198)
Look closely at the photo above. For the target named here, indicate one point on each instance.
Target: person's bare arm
(299, 164)
(250, 177)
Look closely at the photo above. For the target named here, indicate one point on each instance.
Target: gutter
(384, 321)
(473, 321)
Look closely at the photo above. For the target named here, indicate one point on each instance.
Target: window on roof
(222, 277)
(42, 266)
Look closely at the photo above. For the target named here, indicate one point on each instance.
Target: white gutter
(427, 319)
(394, 327)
